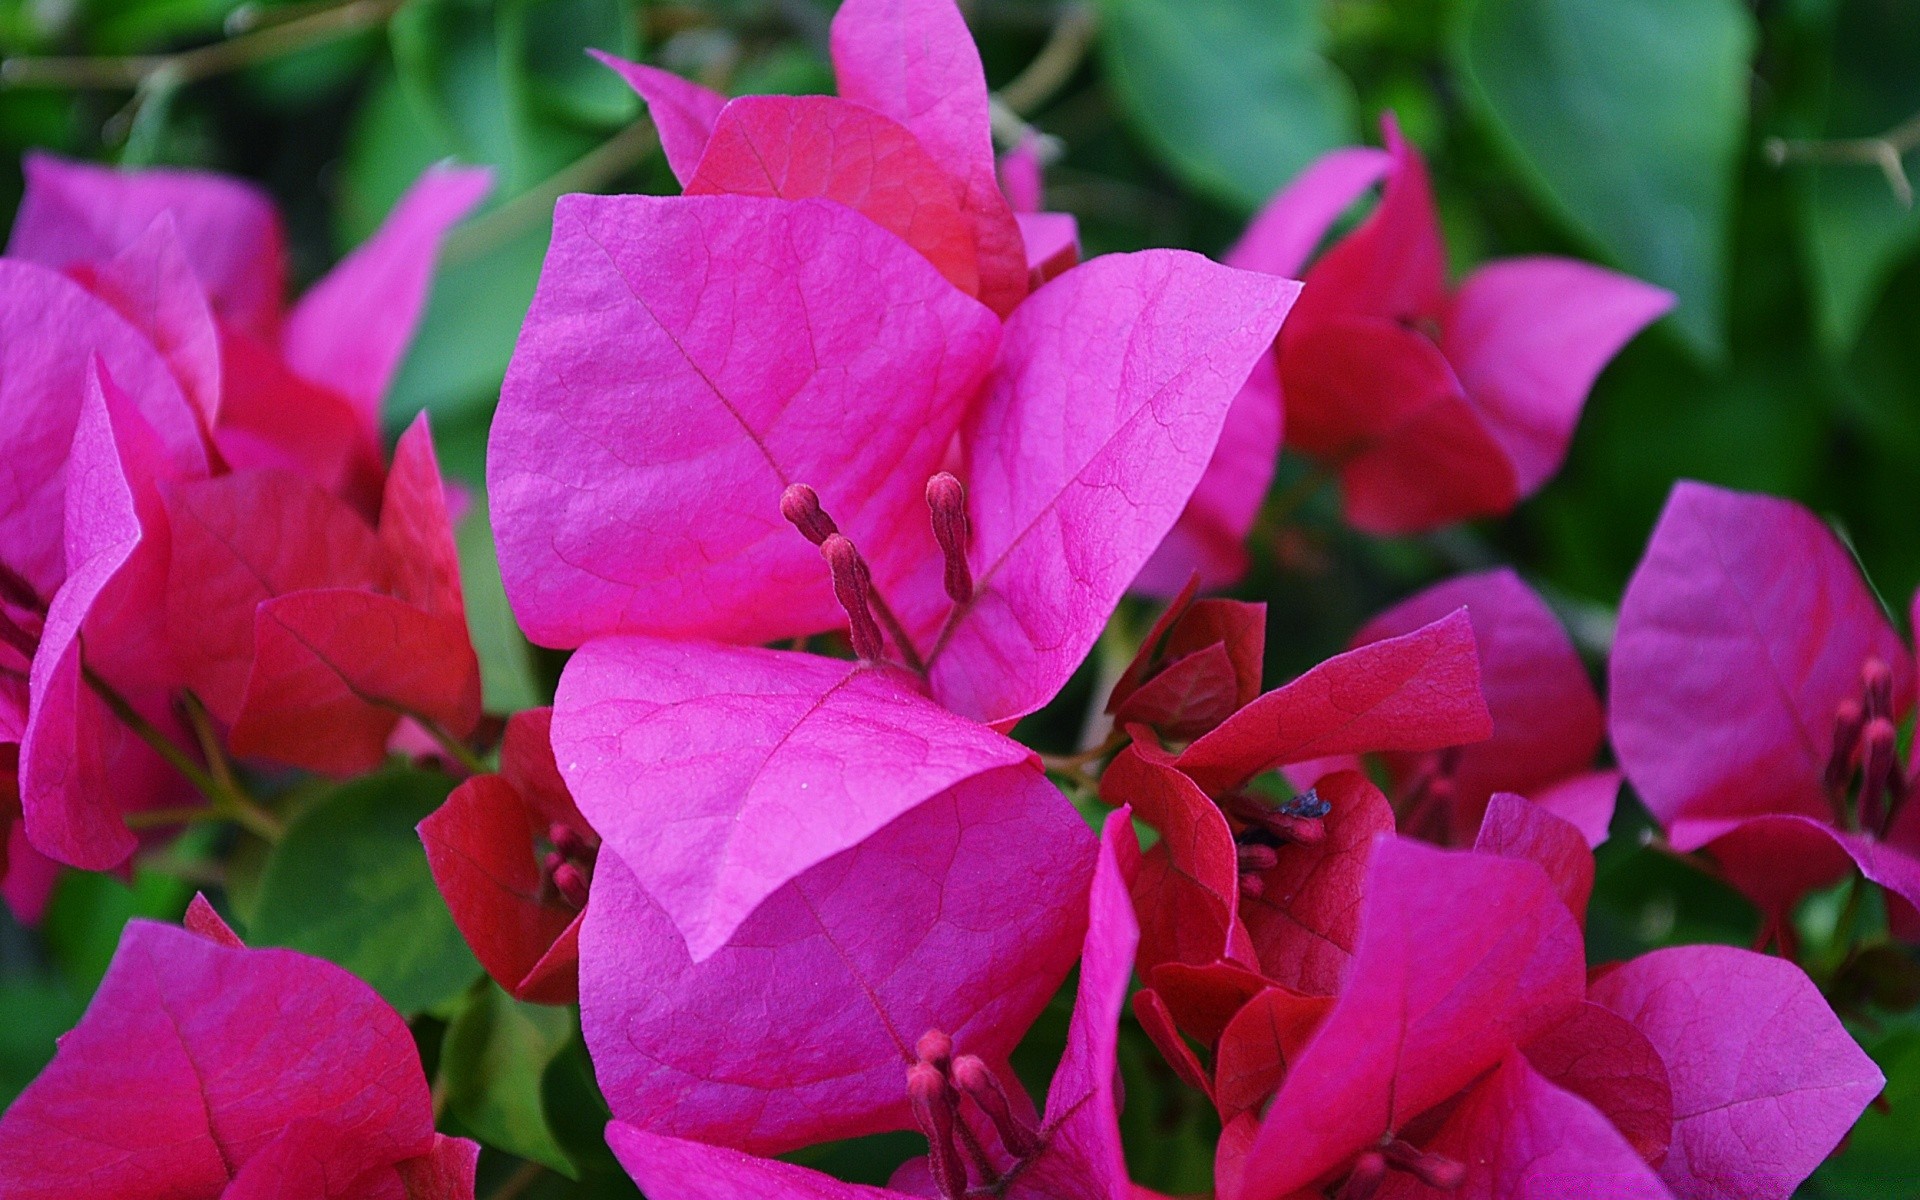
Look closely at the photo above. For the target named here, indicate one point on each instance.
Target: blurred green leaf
(507, 680)
(89, 909)
(548, 40)
(349, 883)
(1233, 94)
(1628, 117)
(34, 1012)
(496, 1053)
(1855, 227)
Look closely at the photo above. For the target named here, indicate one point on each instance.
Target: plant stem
(518, 1182)
(610, 159)
(455, 748)
(1884, 150)
(258, 44)
(1050, 69)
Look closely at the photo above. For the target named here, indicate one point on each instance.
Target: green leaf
(507, 681)
(1628, 117)
(89, 909)
(34, 1012)
(349, 883)
(1232, 94)
(549, 41)
(1855, 228)
(493, 1060)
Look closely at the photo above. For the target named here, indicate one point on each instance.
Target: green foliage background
(1639, 133)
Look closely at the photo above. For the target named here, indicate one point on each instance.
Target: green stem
(455, 748)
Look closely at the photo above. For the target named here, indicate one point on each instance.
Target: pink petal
(55, 328)
(1082, 1158)
(1743, 629)
(242, 539)
(1601, 1058)
(1765, 1080)
(1528, 336)
(1420, 691)
(1306, 920)
(80, 766)
(1113, 384)
(151, 283)
(1547, 722)
(1393, 266)
(329, 338)
(915, 61)
(683, 112)
(963, 915)
(1052, 242)
(194, 1057)
(1776, 859)
(670, 1168)
(416, 529)
(1209, 537)
(270, 417)
(1379, 402)
(334, 669)
(1586, 801)
(1520, 1136)
(76, 213)
(1022, 176)
(1291, 227)
(1190, 626)
(203, 920)
(762, 763)
(1158, 1023)
(1515, 827)
(800, 147)
(639, 490)
(1438, 993)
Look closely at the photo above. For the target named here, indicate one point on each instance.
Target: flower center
(1298, 821)
(938, 1082)
(870, 621)
(1864, 778)
(567, 869)
(1370, 1169)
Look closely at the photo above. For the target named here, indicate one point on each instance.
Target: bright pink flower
(518, 905)
(786, 824)
(197, 262)
(1757, 690)
(1434, 405)
(1547, 720)
(1197, 666)
(828, 355)
(308, 631)
(1240, 894)
(93, 423)
(908, 143)
(207, 1071)
(1071, 1153)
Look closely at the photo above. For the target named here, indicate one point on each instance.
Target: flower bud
(800, 505)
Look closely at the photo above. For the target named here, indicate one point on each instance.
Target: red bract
(908, 143)
(207, 1071)
(1757, 688)
(1197, 666)
(1240, 894)
(518, 905)
(1436, 405)
(1071, 1153)
(1547, 721)
(197, 263)
(309, 631)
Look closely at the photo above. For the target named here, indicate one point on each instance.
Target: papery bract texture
(685, 360)
(1765, 1079)
(962, 915)
(207, 1071)
(1112, 386)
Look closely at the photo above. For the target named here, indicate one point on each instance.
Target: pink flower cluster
(826, 473)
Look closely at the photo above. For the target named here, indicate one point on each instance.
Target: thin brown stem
(1066, 48)
(142, 71)
(1885, 151)
(457, 750)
